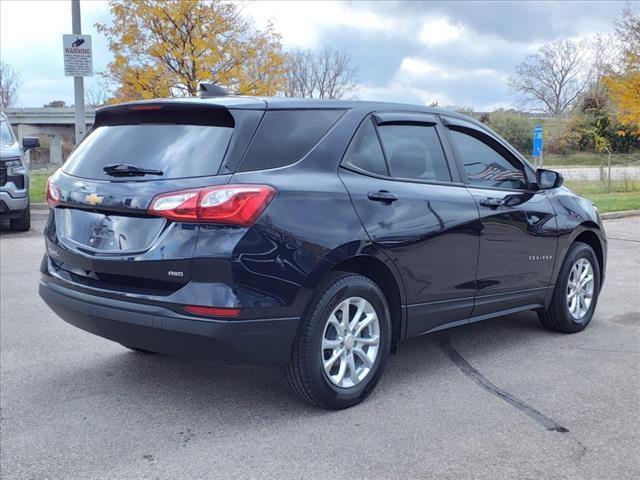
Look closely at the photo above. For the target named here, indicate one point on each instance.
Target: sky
(454, 53)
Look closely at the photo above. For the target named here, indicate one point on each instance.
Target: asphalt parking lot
(500, 399)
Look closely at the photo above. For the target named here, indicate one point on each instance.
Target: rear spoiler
(178, 113)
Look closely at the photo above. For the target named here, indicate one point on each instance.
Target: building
(54, 126)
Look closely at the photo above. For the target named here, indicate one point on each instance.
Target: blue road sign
(537, 141)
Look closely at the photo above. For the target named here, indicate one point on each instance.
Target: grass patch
(37, 184)
(587, 159)
(625, 193)
(616, 202)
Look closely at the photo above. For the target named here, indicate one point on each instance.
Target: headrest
(408, 161)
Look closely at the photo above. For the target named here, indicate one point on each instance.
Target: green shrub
(514, 127)
(594, 128)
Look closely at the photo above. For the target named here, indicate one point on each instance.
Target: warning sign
(78, 58)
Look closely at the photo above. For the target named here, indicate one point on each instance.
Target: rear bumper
(160, 330)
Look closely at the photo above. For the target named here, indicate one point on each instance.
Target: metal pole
(609, 173)
(78, 82)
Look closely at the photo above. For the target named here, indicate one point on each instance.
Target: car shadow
(38, 220)
(5, 226)
(239, 394)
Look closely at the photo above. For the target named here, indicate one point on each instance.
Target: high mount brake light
(228, 204)
(144, 107)
(52, 194)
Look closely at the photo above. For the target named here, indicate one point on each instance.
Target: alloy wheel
(350, 342)
(580, 288)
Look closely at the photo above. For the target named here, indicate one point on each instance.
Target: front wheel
(342, 344)
(576, 292)
(23, 222)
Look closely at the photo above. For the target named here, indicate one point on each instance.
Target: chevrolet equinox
(311, 234)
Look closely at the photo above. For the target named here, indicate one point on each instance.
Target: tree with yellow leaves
(166, 48)
(624, 86)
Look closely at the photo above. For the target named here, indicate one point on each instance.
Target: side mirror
(30, 142)
(548, 179)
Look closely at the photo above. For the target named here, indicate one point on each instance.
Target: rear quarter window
(365, 152)
(285, 136)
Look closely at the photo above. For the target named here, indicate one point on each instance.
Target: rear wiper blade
(124, 169)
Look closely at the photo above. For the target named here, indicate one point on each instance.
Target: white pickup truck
(14, 177)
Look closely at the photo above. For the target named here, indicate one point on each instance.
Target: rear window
(178, 151)
(285, 136)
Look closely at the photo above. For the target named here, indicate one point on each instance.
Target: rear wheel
(576, 292)
(23, 222)
(342, 344)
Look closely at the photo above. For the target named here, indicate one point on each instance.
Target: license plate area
(105, 233)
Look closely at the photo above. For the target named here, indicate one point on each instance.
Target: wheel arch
(591, 238)
(377, 271)
(591, 234)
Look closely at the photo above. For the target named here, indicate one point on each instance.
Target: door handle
(491, 202)
(382, 196)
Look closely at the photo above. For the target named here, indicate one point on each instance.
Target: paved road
(75, 406)
(594, 173)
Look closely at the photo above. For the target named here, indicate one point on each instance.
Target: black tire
(557, 317)
(139, 350)
(23, 223)
(305, 373)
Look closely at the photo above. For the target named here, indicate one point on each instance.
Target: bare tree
(10, 83)
(553, 78)
(99, 93)
(628, 33)
(628, 27)
(299, 77)
(604, 55)
(324, 73)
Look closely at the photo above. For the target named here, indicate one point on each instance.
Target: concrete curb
(623, 214)
(39, 207)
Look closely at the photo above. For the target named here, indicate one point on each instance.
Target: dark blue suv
(310, 234)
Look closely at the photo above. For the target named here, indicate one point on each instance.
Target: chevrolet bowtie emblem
(93, 199)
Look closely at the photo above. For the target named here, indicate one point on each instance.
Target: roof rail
(211, 90)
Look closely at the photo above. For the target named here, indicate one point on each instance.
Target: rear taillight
(228, 204)
(52, 194)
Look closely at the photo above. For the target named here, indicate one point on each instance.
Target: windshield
(6, 137)
(178, 151)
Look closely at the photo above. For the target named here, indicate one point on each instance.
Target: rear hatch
(100, 232)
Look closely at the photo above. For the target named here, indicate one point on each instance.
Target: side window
(485, 166)
(365, 151)
(415, 152)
